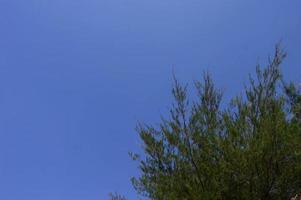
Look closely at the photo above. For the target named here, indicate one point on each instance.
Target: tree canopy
(247, 150)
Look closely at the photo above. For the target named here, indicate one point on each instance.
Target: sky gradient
(77, 75)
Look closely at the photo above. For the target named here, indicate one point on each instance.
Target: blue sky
(77, 75)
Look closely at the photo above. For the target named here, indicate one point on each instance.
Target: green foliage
(249, 150)
(116, 197)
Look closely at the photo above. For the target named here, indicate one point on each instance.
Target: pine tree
(248, 150)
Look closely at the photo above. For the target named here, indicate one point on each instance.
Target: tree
(116, 197)
(248, 150)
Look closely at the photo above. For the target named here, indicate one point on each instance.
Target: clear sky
(77, 75)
